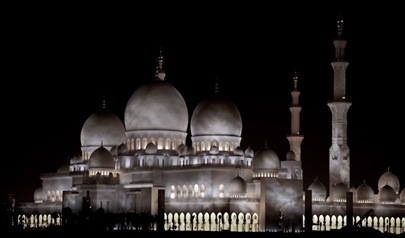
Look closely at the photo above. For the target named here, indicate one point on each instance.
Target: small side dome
(182, 150)
(237, 187)
(339, 191)
(214, 150)
(290, 155)
(76, 160)
(249, 153)
(353, 190)
(389, 178)
(38, 195)
(105, 126)
(402, 196)
(101, 159)
(150, 149)
(265, 159)
(365, 193)
(318, 190)
(238, 151)
(114, 150)
(122, 149)
(387, 194)
(64, 169)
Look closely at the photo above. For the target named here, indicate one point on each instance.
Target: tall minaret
(293, 158)
(295, 138)
(339, 152)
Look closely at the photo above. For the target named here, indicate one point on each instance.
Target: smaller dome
(101, 158)
(387, 194)
(104, 126)
(402, 196)
(353, 190)
(214, 150)
(237, 187)
(290, 155)
(114, 150)
(265, 159)
(365, 192)
(122, 149)
(182, 149)
(389, 178)
(339, 191)
(150, 149)
(238, 151)
(76, 160)
(249, 153)
(38, 195)
(64, 168)
(318, 190)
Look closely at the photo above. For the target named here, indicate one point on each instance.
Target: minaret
(295, 138)
(339, 152)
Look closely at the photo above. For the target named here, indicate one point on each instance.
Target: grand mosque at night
(143, 165)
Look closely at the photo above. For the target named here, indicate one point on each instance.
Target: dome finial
(160, 73)
(340, 25)
(103, 103)
(295, 78)
(216, 87)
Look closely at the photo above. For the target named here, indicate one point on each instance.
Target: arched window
(160, 144)
(132, 145)
(178, 194)
(221, 146)
(196, 193)
(202, 190)
(172, 191)
(208, 146)
(167, 144)
(190, 191)
(221, 191)
(144, 143)
(184, 191)
(197, 146)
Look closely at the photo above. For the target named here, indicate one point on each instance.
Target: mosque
(142, 165)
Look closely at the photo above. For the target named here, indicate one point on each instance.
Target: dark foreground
(128, 233)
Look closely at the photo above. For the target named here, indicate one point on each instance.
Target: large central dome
(156, 105)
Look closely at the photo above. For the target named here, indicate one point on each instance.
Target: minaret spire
(103, 106)
(160, 73)
(295, 138)
(216, 86)
(339, 152)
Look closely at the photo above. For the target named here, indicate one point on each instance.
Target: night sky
(60, 61)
